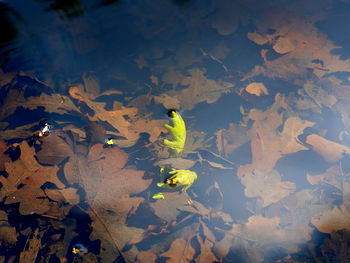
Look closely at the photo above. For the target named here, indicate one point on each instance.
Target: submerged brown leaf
(268, 145)
(333, 177)
(268, 187)
(24, 181)
(125, 120)
(332, 220)
(257, 88)
(34, 246)
(179, 251)
(8, 234)
(3, 157)
(329, 150)
(301, 44)
(200, 89)
(227, 140)
(54, 150)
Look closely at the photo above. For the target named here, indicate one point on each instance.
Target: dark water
(263, 87)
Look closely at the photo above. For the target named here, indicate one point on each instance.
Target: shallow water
(263, 88)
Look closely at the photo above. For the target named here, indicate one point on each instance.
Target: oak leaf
(268, 144)
(24, 181)
(301, 44)
(200, 89)
(123, 119)
(268, 187)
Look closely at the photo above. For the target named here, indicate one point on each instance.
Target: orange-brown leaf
(179, 251)
(330, 151)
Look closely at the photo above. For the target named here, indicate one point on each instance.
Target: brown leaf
(257, 38)
(329, 150)
(54, 150)
(24, 181)
(331, 177)
(292, 128)
(260, 229)
(91, 83)
(268, 187)
(206, 254)
(196, 140)
(332, 220)
(268, 144)
(179, 251)
(320, 96)
(200, 89)
(173, 204)
(146, 257)
(284, 45)
(301, 43)
(3, 157)
(54, 103)
(257, 88)
(108, 248)
(229, 140)
(124, 119)
(20, 132)
(109, 188)
(68, 195)
(8, 234)
(6, 77)
(31, 253)
(176, 163)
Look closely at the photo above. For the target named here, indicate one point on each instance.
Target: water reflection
(262, 88)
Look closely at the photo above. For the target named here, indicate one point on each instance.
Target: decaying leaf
(176, 163)
(333, 177)
(196, 140)
(257, 88)
(292, 128)
(146, 257)
(320, 96)
(284, 45)
(3, 157)
(268, 187)
(199, 89)
(31, 253)
(53, 103)
(206, 254)
(124, 120)
(229, 140)
(23, 185)
(174, 204)
(329, 150)
(332, 220)
(54, 150)
(179, 251)
(8, 234)
(301, 44)
(68, 195)
(23, 131)
(268, 232)
(268, 144)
